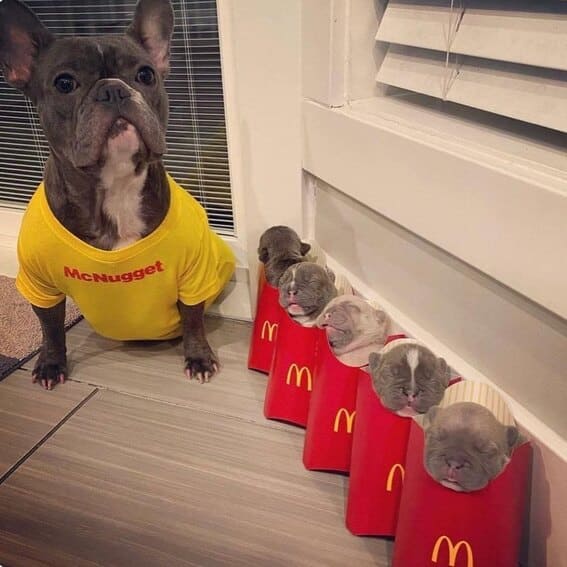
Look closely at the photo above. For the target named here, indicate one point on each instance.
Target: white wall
(261, 45)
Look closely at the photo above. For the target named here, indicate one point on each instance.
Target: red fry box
(265, 328)
(328, 437)
(292, 373)
(377, 466)
(438, 526)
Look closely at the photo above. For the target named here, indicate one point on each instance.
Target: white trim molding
(482, 208)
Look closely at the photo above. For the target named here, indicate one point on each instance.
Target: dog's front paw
(49, 372)
(202, 365)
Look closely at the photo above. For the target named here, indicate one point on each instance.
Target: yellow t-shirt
(131, 293)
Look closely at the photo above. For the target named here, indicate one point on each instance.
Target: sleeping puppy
(108, 227)
(304, 290)
(408, 377)
(279, 248)
(466, 446)
(354, 328)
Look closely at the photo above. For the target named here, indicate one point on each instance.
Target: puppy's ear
(22, 37)
(374, 361)
(304, 248)
(263, 255)
(152, 28)
(444, 371)
(512, 436)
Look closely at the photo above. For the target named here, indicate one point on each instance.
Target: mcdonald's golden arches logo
(268, 329)
(390, 479)
(453, 551)
(349, 420)
(299, 372)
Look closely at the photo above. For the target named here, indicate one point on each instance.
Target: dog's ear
(304, 248)
(152, 28)
(22, 37)
(263, 255)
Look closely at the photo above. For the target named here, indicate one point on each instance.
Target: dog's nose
(111, 93)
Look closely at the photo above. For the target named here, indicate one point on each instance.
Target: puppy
(304, 290)
(354, 328)
(108, 227)
(466, 446)
(408, 377)
(279, 248)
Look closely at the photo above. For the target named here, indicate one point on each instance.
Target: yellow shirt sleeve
(210, 271)
(32, 283)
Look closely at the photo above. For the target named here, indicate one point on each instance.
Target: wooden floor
(131, 464)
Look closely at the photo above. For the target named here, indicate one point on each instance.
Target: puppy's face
(350, 320)
(94, 95)
(409, 378)
(466, 446)
(305, 289)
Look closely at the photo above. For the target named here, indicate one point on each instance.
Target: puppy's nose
(111, 93)
(455, 465)
(292, 292)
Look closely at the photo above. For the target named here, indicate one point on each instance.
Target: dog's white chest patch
(122, 200)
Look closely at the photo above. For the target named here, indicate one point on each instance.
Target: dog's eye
(65, 83)
(146, 76)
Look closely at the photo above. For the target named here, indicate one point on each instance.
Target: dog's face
(408, 377)
(351, 322)
(94, 95)
(466, 446)
(305, 289)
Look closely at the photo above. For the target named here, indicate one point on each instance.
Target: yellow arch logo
(349, 420)
(390, 479)
(453, 551)
(294, 369)
(268, 329)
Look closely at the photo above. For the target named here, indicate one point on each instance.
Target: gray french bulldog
(408, 377)
(304, 290)
(104, 110)
(466, 446)
(279, 248)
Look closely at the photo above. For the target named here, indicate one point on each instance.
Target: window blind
(504, 57)
(197, 154)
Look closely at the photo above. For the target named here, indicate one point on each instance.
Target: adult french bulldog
(108, 226)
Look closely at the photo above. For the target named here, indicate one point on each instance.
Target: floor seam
(265, 424)
(46, 437)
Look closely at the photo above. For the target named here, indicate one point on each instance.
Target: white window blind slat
(528, 37)
(419, 25)
(505, 57)
(530, 95)
(197, 148)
